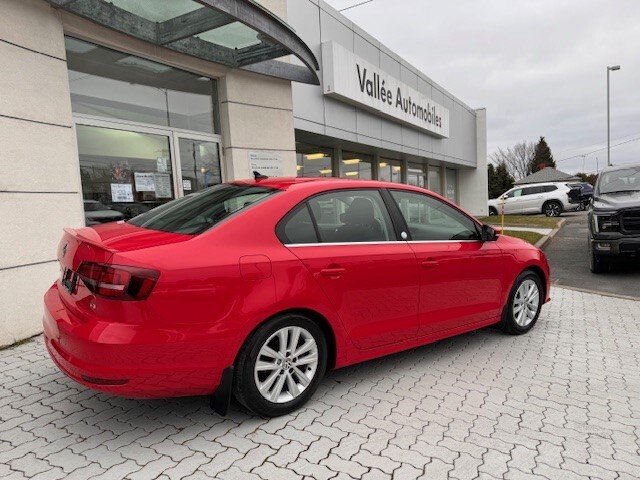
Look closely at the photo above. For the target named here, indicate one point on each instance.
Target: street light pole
(609, 69)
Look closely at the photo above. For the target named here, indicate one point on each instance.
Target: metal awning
(235, 33)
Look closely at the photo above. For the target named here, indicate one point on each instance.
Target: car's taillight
(118, 281)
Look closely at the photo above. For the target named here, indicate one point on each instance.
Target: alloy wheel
(526, 302)
(552, 210)
(286, 364)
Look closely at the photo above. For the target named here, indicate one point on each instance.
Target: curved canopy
(235, 33)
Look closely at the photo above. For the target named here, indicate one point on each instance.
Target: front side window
(431, 219)
(352, 216)
(515, 193)
(196, 213)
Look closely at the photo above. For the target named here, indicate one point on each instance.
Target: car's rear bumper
(629, 246)
(130, 360)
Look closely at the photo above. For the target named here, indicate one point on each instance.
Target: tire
(599, 263)
(492, 211)
(273, 373)
(517, 322)
(552, 208)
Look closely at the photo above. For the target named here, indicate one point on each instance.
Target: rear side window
(340, 216)
(298, 227)
(550, 188)
(196, 213)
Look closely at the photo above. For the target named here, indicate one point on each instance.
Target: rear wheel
(552, 208)
(280, 366)
(524, 304)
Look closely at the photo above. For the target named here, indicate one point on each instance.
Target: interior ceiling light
(351, 161)
(314, 156)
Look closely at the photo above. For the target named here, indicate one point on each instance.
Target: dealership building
(111, 107)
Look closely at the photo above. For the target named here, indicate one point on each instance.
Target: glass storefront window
(200, 164)
(116, 85)
(356, 166)
(415, 175)
(123, 173)
(435, 179)
(313, 161)
(451, 181)
(390, 170)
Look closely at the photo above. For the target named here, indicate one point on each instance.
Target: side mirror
(488, 234)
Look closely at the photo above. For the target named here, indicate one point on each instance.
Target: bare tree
(517, 158)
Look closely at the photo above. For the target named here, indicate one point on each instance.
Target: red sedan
(254, 289)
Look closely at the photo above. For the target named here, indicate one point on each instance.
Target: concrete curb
(595, 292)
(547, 238)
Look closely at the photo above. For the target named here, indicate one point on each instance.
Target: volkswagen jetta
(256, 288)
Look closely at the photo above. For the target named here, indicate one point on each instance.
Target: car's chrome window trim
(390, 242)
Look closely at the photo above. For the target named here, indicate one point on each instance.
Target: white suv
(549, 198)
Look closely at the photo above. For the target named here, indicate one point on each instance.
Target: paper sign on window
(121, 192)
(145, 182)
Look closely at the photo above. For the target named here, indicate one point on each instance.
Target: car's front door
(460, 276)
(513, 202)
(369, 276)
(532, 199)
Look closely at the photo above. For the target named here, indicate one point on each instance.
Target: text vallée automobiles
(614, 217)
(551, 198)
(254, 289)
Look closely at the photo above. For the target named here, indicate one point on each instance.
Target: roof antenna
(258, 176)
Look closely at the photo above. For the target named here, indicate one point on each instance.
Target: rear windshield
(200, 211)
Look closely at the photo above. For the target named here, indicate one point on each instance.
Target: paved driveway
(562, 402)
(569, 260)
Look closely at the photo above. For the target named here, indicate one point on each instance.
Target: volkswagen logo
(64, 249)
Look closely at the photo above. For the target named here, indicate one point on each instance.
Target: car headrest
(360, 212)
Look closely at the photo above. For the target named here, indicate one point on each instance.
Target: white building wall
(39, 173)
(473, 183)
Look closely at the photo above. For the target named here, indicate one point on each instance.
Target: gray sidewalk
(562, 402)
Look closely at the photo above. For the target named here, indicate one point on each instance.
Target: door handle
(429, 263)
(332, 272)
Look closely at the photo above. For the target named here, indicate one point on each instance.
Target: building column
(472, 182)
(39, 172)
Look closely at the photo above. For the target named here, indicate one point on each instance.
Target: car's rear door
(368, 275)
(532, 199)
(460, 276)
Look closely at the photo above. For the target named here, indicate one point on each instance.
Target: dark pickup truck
(614, 216)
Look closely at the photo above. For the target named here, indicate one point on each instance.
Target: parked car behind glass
(549, 198)
(96, 213)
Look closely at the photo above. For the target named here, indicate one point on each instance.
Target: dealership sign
(351, 79)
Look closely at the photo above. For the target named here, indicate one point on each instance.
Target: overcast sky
(539, 66)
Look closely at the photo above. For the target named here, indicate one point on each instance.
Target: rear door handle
(429, 263)
(332, 272)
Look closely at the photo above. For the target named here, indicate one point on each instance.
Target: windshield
(200, 211)
(623, 180)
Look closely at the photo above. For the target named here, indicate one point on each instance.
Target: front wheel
(599, 263)
(524, 304)
(552, 209)
(492, 211)
(280, 365)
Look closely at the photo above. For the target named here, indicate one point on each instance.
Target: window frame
(396, 226)
(405, 227)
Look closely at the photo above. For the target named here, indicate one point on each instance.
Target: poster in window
(145, 182)
(162, 185)
(186, 184)
(121, 193)
(266, 163)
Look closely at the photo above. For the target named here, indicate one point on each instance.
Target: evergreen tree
(499, 179)
(542, 157)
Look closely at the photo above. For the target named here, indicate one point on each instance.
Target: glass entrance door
(199, 163)
(124, 173)
(127, 169)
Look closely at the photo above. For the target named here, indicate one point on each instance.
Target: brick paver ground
(562, 402)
